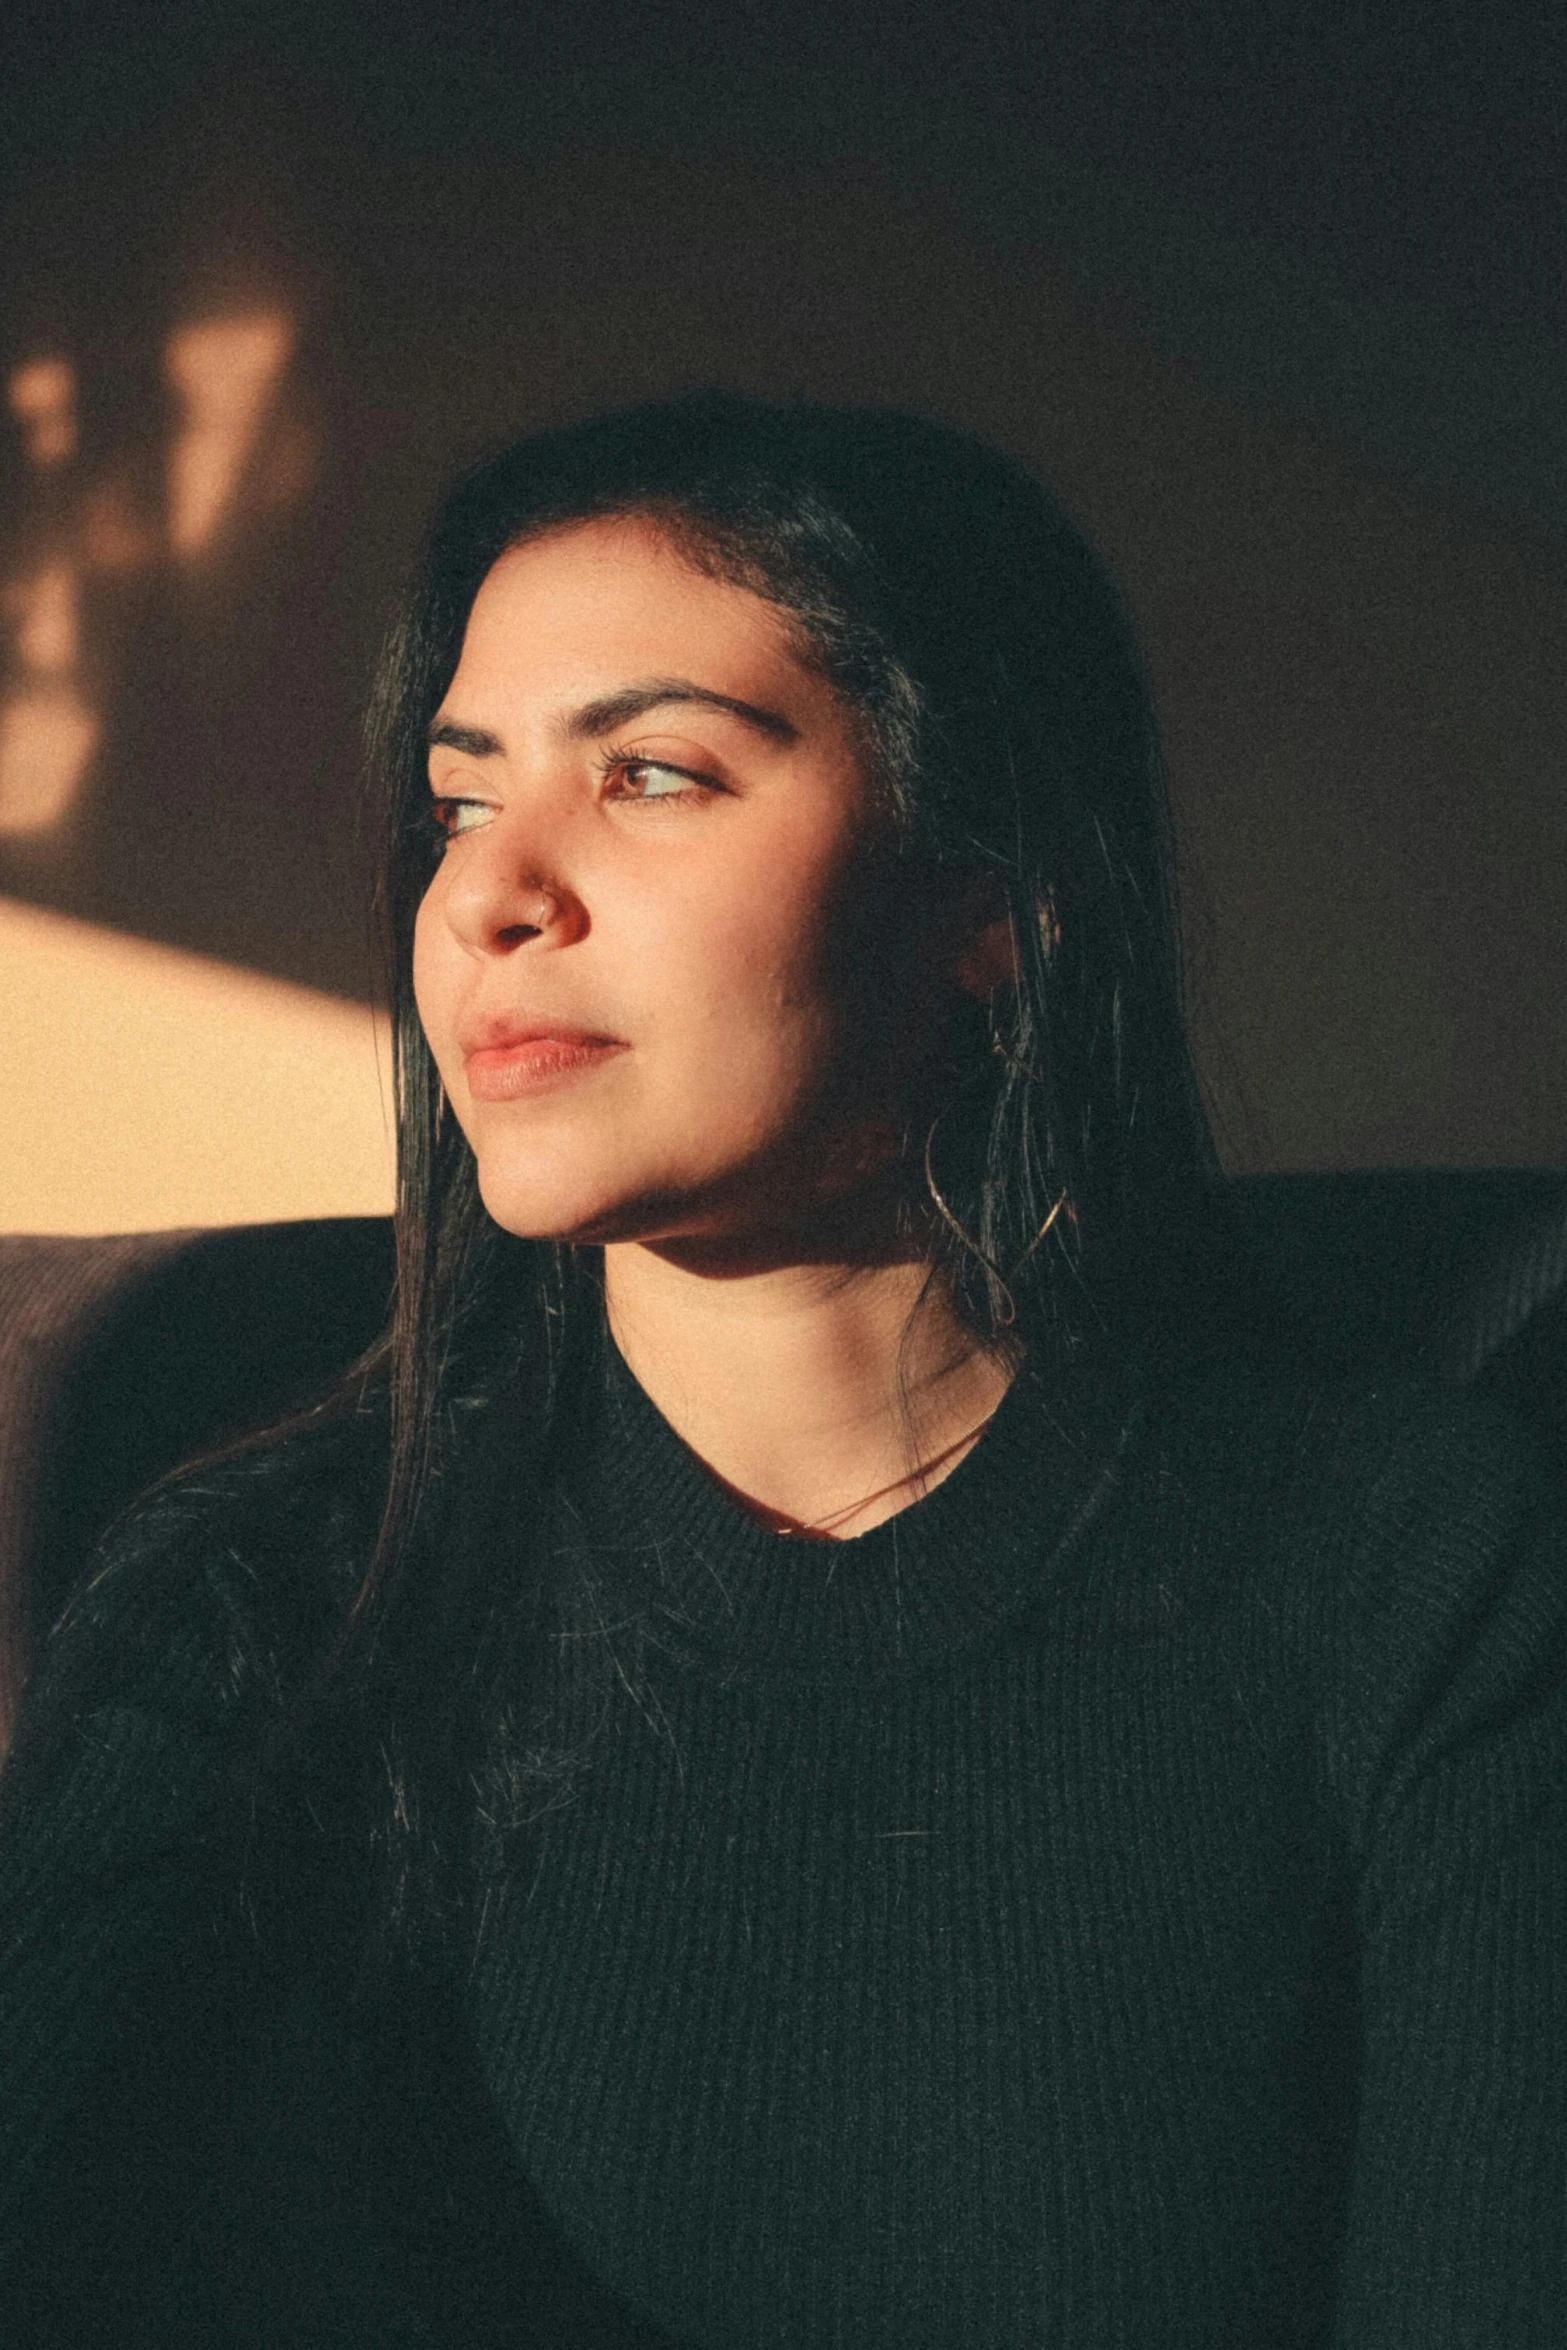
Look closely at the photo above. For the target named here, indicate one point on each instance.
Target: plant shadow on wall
(236, 449)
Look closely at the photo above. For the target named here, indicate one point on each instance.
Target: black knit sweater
(1120, 1900)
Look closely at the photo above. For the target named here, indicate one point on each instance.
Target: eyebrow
(618, 709)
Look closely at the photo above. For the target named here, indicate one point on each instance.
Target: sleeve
(1452, 1743)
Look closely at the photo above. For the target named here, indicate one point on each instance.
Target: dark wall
(1273, 299)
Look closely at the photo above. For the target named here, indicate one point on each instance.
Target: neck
(783, 1378)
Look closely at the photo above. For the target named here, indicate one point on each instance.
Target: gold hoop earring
(1007, 1316)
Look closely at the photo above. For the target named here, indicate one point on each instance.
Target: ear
(986, 956)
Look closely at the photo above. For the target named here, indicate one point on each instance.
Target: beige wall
(145, 1088)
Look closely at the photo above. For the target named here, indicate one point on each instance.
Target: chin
(533, 1204)
(540, 1211)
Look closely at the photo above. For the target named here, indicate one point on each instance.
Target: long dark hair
(952, 600)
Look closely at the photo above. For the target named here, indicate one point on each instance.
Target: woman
(817, 1749)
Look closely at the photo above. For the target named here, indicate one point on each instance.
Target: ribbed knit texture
(1122, 1900)
(949, 1935)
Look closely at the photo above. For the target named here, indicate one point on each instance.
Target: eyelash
(609, 763)
(618, 762)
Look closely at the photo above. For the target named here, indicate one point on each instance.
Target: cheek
(745, 956)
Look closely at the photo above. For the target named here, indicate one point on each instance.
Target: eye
(640, 780)
(449, 817)
(652, 782)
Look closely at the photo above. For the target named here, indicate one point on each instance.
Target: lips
(503, 1060)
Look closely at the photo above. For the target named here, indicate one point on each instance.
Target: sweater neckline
(658, 1536)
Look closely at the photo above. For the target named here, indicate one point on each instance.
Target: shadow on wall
(234, 447)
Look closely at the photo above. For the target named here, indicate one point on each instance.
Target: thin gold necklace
(836, 1517)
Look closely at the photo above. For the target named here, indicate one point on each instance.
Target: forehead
(610, 598)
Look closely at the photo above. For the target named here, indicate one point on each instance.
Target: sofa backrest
(120, 1357)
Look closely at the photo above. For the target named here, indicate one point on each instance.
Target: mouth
(509, 1064)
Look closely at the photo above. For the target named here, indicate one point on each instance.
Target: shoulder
(1363, 1453)
(1369, 1496)
(1394, 1556)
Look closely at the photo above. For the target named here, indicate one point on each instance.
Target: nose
(497, 898)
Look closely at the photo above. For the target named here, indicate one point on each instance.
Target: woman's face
(664, 864)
